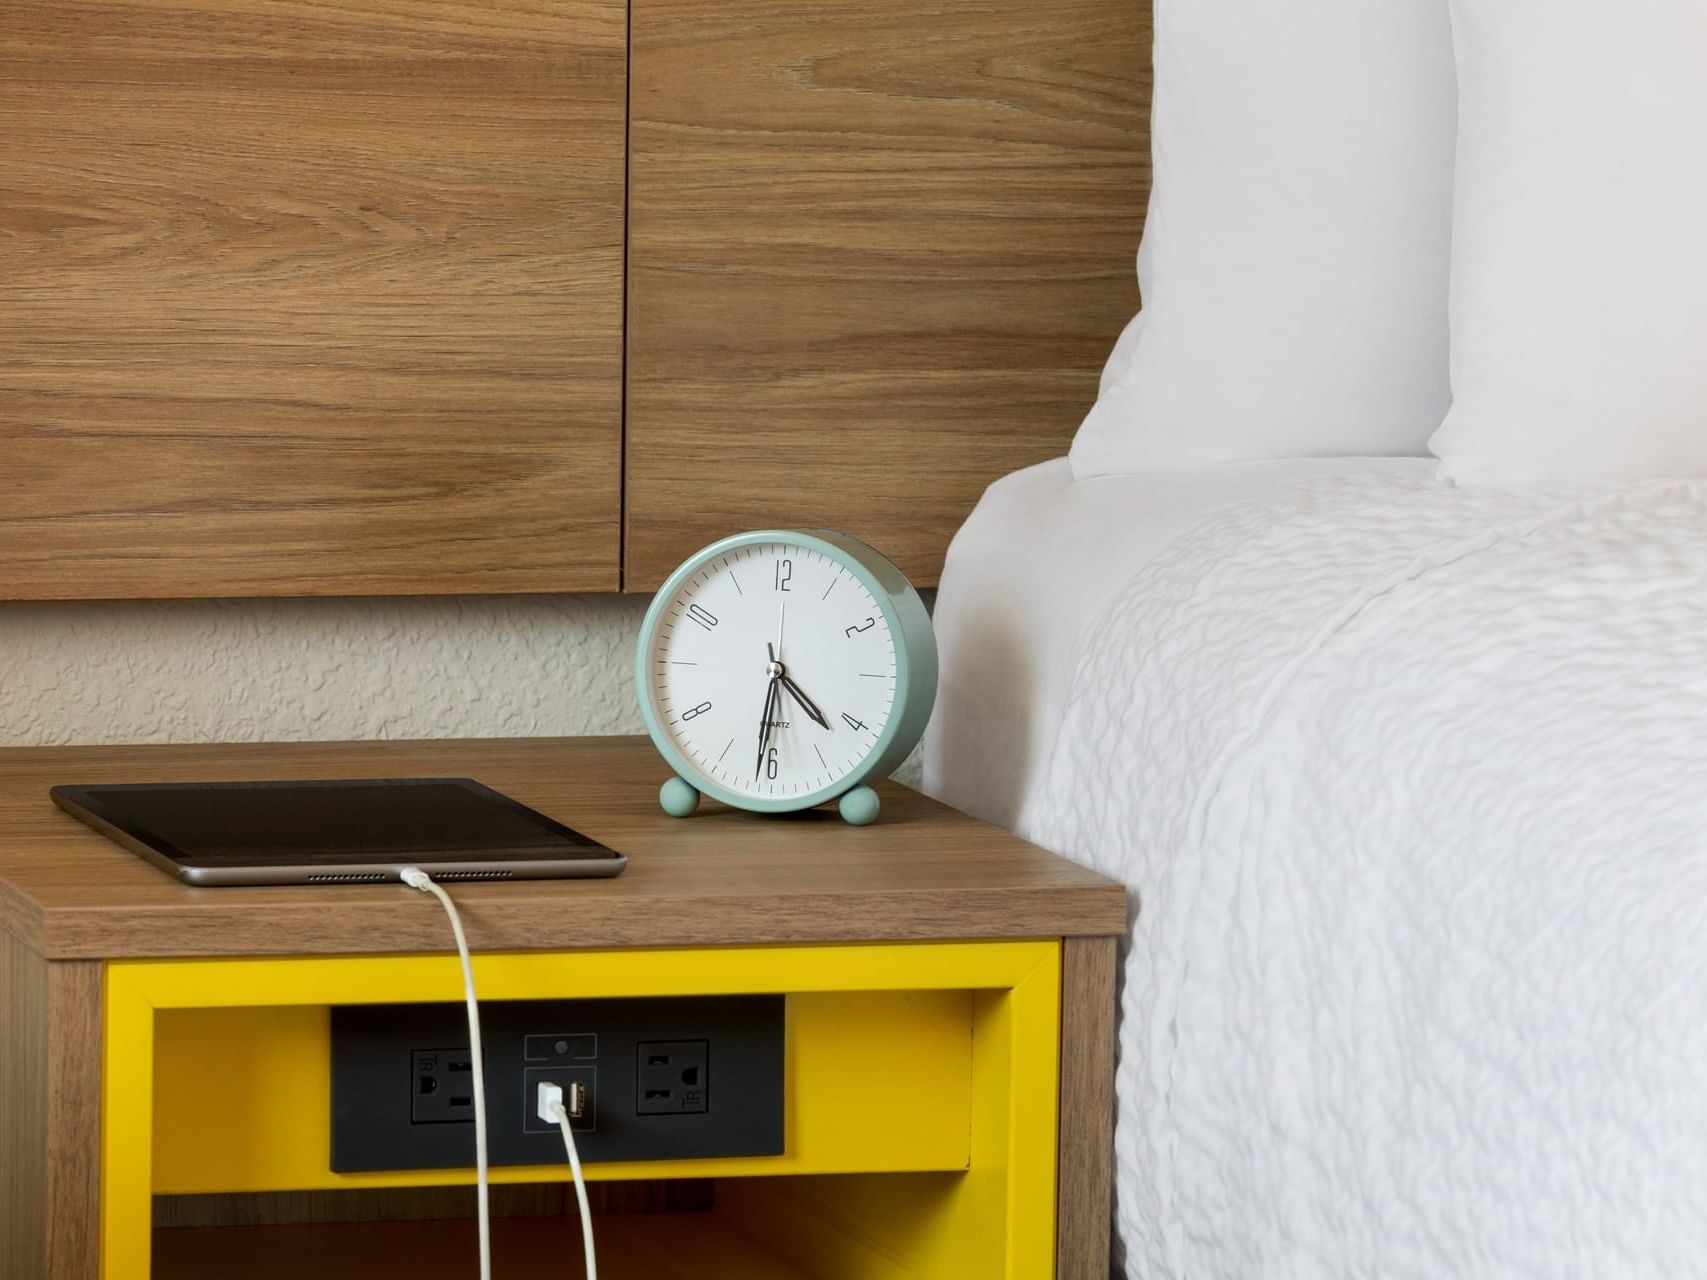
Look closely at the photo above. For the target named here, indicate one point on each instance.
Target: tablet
(338, 831)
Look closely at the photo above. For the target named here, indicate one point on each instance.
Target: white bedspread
(1028, 575)
(1413, 784)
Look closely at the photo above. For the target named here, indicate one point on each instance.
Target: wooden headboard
(390, 298)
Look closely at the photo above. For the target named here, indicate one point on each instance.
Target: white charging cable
(550, 1101)
(415, 878)
(552, 1110)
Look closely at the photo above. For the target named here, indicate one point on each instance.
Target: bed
(1410, 785)
(1029, 572)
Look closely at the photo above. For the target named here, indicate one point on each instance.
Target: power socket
(674, 1077)
(442, 1089)
(401, 1102)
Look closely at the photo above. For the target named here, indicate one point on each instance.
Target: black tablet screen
(423, 820)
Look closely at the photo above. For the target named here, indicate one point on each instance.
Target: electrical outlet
(398, 1106)
(674, 1077)
(442, 1086)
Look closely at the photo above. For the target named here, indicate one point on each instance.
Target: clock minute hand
(765, 727)
(806, 704)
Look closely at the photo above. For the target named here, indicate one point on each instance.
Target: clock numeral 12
(784, 572)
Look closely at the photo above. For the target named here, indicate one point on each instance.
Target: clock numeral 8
(869, 624)
(700, 710)
(703, 617)
(770, 763)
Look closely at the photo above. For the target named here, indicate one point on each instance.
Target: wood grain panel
(73, 1119)
(923, 871)
(878, 254)
(23, 1110)
(1084, 1192)
(310, 299)
(50, 1116)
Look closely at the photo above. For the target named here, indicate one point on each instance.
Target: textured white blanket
(1412, 783)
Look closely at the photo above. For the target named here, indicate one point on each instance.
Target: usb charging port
(574, 1099)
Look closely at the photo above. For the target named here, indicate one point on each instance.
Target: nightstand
(949, 1034)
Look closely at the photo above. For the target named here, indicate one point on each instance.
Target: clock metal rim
(915, 647)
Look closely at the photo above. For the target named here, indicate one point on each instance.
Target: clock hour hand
(806, 704)
(779, 672)
(765, 718)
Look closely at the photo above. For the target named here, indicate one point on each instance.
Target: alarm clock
(778, 670)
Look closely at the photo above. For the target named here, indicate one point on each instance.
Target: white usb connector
(553, 1110)
(550, 1101)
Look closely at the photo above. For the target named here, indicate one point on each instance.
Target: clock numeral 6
(869, 624)
(852, 723)
(770, 763)
(784, 572)
(703, 617)
(700, 710)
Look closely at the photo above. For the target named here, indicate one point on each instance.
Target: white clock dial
(749, 647)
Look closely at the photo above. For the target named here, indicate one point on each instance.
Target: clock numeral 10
(703, 617)
(852, 723)
(700, 710)
(869, 624)
(784, 572)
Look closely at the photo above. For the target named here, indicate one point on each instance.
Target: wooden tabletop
(923, 871)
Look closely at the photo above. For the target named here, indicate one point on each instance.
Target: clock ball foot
(677, 798)
(859, 807)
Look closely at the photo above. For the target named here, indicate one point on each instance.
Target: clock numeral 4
(700, 710)
(702, 616)
(869, 624)
(852, 723)
(784, 572)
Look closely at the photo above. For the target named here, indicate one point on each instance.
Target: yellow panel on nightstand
(922, 1076)
(260, 1078)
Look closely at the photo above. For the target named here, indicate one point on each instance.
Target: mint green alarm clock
(780, 670)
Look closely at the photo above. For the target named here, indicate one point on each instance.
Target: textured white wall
(299, 670)
(247, 670)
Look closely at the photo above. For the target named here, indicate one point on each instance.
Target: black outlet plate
(733, 1106)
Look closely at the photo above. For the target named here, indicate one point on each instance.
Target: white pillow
(1579, 279)
(1294, 264)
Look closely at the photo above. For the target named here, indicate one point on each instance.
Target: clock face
(772, 671)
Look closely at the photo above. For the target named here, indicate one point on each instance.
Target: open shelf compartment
(920, 1117)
